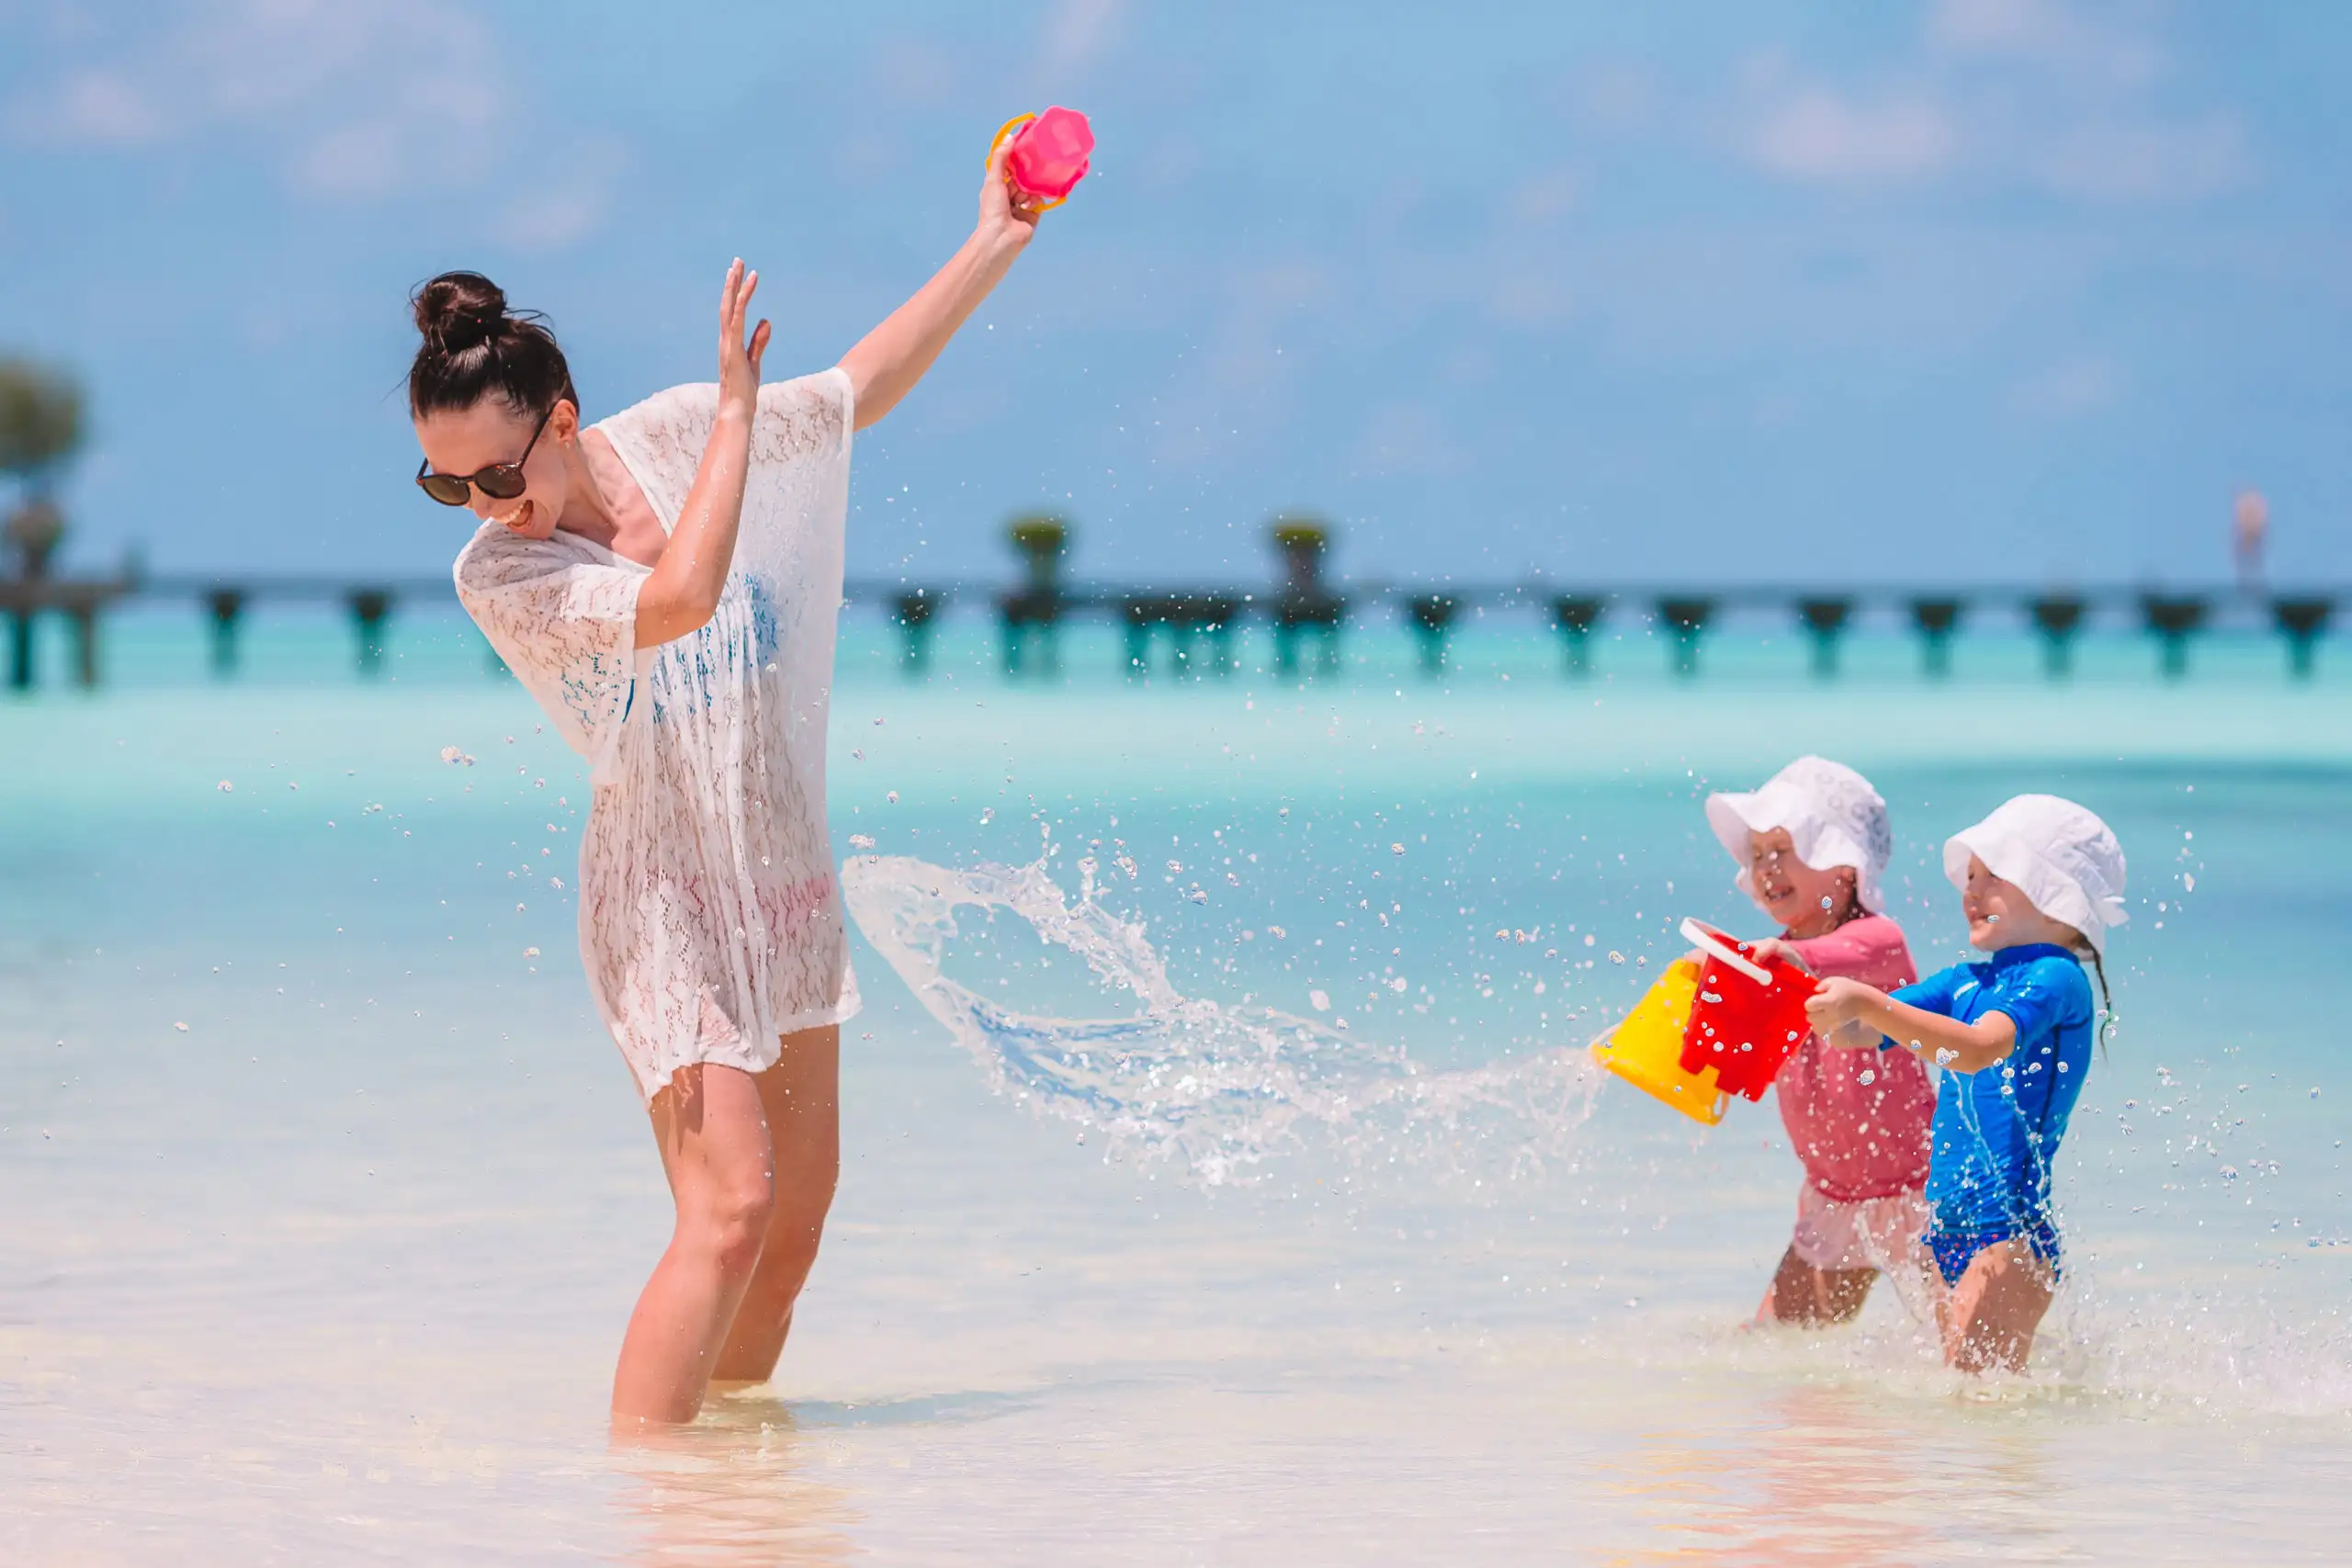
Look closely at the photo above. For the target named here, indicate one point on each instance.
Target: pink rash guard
(1858, 1120)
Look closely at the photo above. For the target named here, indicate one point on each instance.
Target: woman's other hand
(739, 357)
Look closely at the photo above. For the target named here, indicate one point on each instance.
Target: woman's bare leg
(714, 1137)
(801, 1095)
(1990, 1318)
(1808, 1297)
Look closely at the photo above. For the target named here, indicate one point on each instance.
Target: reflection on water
(745, 1485)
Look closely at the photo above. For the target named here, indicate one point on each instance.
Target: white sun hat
(2058, 853)
(1833, 816)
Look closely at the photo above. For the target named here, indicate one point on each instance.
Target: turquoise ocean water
(327, 1197)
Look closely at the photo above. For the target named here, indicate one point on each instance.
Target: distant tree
(1042, 540)
(40, 429)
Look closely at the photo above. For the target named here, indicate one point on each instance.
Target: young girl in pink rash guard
(1812, 845)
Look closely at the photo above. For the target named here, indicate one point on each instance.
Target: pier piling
(1936, 619)
(2302, 620)
(1432, 616)
(226, 606)
(913, 611)
(2057, 616)
(370, 607)
(2173, 618)
(1687, 619)
(20, 650)
(1575, 615)
(1824, 622)
(84, 619)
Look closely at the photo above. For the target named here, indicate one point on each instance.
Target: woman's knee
(730, 1216)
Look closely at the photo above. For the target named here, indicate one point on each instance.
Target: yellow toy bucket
(1645, 1050)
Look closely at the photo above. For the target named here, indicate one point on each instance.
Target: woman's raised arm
(682, 593)
(890, 359)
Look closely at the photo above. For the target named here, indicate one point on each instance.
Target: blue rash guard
(1996, 1130)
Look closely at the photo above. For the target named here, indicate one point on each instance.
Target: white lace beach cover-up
(709, 924)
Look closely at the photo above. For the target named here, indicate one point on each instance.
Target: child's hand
(1838, 1004)
(1771, 947)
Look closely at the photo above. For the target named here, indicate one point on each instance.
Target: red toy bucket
(1747, 1017)
(1050, 153)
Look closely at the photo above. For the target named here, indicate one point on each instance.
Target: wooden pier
(1192, 629)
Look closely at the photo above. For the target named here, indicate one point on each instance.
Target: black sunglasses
(500, 481)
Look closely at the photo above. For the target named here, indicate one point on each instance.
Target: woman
(665, 584)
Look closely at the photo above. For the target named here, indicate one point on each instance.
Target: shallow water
(336, 1272)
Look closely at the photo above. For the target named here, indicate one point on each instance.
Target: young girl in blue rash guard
(2041, 881)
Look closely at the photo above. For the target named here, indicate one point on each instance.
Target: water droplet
(1615, 956)
(892, 797)
(530, 952)
(1321, 1002)
(226, 787)
(181, 1027)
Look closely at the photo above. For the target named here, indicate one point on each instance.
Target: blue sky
(1965, 291)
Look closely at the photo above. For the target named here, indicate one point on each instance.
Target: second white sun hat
(2058, 853)
(1833, 816)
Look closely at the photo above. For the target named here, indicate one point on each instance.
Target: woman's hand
(738, 359)
(1837, 1004)
(1003, 219)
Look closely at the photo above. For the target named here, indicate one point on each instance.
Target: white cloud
(351, 99)
(2032, 95)
(1542, 198)
(2049, 33)
(1075, 37)
(1815, 135)
(95, 109)
(2148, 160)
(1408, 438)
(2068, 389)
(1619, 98)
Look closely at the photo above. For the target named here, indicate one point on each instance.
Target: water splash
(1218, 1087)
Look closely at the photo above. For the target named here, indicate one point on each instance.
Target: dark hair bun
(458, 310)
(475, 347)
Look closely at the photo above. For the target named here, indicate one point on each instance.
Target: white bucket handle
(1701, 937)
